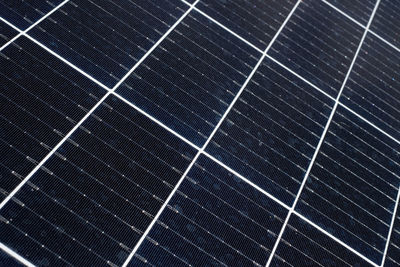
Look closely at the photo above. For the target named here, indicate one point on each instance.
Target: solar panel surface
(192, 133)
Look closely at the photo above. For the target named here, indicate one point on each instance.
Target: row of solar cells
(95, 197)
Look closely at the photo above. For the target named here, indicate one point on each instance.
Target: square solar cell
(319, 44)
(352, 188)
(257, 21)
(6, 33)
(386, 22)
(41, 100)
(93, 199)
(215, 218)
(359, 10)
(304, 245)
(393, 254)
(272, 131)
(191, 78)
(24, 13)
(373, 88)
(106, 38)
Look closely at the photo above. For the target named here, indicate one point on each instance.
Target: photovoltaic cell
(257, 21)
(360, 10)
(214, 219)
(352, 188)
(373, 88)
(106, 38)
(191, 78)
(271, 133)
(6, 33)
(387, 21)
(24, 13)
(41, 101)
(393, 255)
(90, 203)
(94, 198)
(303, 245)
(319, 44)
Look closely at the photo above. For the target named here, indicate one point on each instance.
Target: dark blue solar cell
(6, 33)
(191, 78)
(303, 245)
(106, 38)
(24, 13)
(27, 246)
(41, 100)
(215, 218)
(373, 88)
(319, 44)
(359, 10)
(256, 21)
(109, 179)
(352, 187)
(393, 254)
(8, 260)
(271, 133)
(386, 22)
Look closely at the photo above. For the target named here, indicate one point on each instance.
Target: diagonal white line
(225, 28)
(146, 232)
(66, 61)
(385, 41)
(30, 27)
(345, 14)
(370, 123)
(37, 167)
(110, 91)
(322, 137)
(241, 177)
(361, 25)
(335, 239)
(15, 255)
(391, 228)
(156, 121)
(340, 103)
(188, 142)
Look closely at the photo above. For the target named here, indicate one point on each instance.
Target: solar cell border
(321, 141)
(211, 135)
(111, 91)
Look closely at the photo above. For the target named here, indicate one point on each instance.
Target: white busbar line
(88, 114)
(109, 91)
(345, 14)
(316, 226)
(184, 139)
(65, 138)
(385, 41)
(66, 62)
(361, 25)
(225, 28)
(30, 27)
(391, 228)
(158, 122)
(15, 255)
(322, 137)
(340, 103)
(146, 232)
(244, 179)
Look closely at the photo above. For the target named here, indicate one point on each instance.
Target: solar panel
(386, 22)
(6, 33)
(106, 38)
(197, 132)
